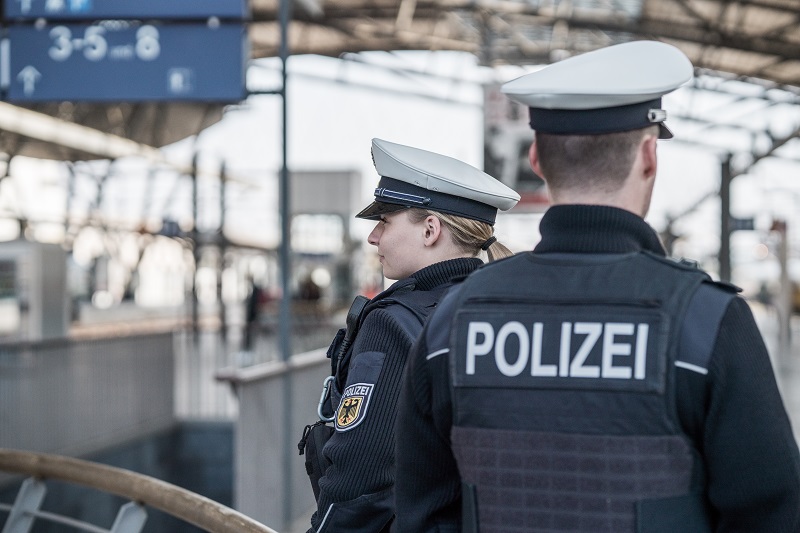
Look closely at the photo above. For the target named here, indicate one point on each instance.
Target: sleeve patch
(353, 406)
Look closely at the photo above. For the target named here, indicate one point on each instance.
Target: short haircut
(599, 162)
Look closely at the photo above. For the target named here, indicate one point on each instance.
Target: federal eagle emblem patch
(353, 406)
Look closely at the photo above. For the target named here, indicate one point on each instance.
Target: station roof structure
(749, 40)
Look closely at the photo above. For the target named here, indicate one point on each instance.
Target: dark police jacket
(357, 490)
(594, 386)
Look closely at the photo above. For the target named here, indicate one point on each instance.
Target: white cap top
(411, 177)
(622, 74)
(627, 74)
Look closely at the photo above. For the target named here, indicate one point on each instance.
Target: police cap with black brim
(613, 89)
(411, 177)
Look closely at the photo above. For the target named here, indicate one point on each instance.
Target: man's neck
(620, 199)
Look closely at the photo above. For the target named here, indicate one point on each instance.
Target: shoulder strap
(409, 318)
(412, 308)
(701, 325)
(352, 322)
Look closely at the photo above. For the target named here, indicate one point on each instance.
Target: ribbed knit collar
(434, 275)
(595, 229)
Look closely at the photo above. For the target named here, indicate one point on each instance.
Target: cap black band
(394, 191)
(593, 121)
(401, 197)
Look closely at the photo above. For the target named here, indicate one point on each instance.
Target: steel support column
(285, 315)
(726, 176)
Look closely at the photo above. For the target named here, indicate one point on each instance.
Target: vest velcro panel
(534, 481)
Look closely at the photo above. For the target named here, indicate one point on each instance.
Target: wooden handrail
(193, 508)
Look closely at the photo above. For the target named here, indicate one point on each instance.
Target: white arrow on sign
(29, 76)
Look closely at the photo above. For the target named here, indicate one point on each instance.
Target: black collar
(595, 229)
(433, 275)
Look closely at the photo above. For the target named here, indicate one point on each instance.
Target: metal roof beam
(765, 4)
(698, 35)
(70, 135)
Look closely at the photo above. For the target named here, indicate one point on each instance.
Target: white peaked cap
(411, 177)
(622, 84)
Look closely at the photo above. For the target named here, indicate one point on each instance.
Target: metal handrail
(193, 508)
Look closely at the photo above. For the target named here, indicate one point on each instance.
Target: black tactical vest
(564, 417)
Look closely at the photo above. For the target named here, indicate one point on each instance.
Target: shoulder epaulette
(701, 325)
(728, 286)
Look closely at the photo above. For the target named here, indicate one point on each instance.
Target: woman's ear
(432, 228)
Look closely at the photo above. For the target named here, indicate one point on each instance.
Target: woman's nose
(375, 234)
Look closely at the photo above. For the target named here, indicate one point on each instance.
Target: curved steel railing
(193, 508)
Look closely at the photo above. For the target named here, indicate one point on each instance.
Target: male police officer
(594, 385)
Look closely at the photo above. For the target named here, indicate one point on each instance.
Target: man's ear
(648, 153)
(432, 228)
(533, 157)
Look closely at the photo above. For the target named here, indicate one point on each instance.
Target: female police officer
(435, 216)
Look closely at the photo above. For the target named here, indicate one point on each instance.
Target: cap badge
(657, 115)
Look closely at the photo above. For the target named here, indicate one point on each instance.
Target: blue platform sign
(124, 9)
(122, 61)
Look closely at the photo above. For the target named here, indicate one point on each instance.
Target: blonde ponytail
(471, 236)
